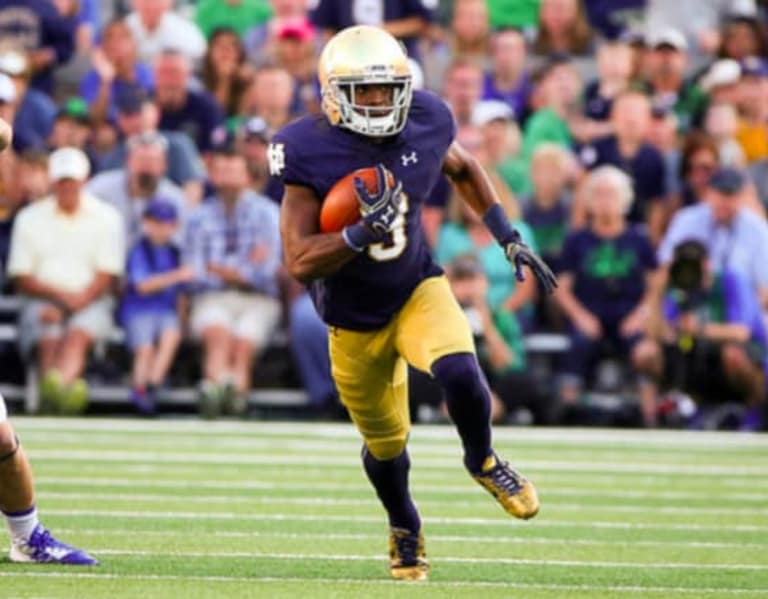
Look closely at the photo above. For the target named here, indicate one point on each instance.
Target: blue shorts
(146, 328)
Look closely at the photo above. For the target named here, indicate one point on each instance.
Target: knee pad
(387, 448)
(459, 374)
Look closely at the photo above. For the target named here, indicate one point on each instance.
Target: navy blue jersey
(608, 274)
(646, 169)
(365, 293)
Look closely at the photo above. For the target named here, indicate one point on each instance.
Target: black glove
(516, 251)
(521, 255)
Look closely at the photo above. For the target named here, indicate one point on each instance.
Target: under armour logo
(409, 159)
(276, 158)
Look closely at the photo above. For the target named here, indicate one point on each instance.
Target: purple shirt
(517, 98)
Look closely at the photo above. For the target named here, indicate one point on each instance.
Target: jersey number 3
(393, 247)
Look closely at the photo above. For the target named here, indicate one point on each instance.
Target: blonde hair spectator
(609, 176)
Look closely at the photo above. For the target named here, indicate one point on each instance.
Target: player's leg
(434, 336)
(372, 385)
(30, 542)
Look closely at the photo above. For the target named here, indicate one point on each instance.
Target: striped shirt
(247, 239)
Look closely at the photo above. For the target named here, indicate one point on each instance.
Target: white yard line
(495, 540)
(498, 522)
(346, 431)
(353, 502)
(352, 461)
(421, 477)
(510, 561)
(290, 444)
(469, 489)
(387, 583)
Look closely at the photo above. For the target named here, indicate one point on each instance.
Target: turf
(192, 510)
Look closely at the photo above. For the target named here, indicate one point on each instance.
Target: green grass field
(187, 509)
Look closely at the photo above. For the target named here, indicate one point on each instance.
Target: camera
(686, 274)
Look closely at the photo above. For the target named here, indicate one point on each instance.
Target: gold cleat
(512, 490)
(407, 557)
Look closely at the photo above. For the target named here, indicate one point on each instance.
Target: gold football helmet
(365, 55)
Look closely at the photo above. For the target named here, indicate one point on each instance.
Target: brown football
(340, 207)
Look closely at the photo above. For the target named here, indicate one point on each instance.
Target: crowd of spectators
(627, 140)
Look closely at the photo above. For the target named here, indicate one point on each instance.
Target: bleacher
(276, 386)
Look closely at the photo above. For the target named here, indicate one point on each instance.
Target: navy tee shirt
(340, 14)
(366, 292)
(646, 169)
(33, 24)
(609, 274)
(596, 107)
(612, 17)
(146, 260)
(549, 226)
(199, 116)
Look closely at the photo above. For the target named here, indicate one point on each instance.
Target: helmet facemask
(339, 94)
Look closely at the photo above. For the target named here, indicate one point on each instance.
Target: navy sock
(390, 479)
(469, 404)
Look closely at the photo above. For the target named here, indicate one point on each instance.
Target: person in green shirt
(558, 93)
(520, 14)
(239, 15)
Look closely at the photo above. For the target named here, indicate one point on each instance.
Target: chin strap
(13, 452)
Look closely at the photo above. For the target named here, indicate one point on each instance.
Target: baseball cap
(728, 180)
(68, 163)
(298, 28)
(7, 89)
(754, 66)
(161, 209)
(722, 72)
(13, 63)
(223, 141)
(667, 37)
(255, 127)
(131, 100)
(76, 109)
(487, 111)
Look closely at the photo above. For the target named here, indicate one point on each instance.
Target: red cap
(297, 28)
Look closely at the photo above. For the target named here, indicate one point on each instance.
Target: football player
(30, 542)
(387, 304)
